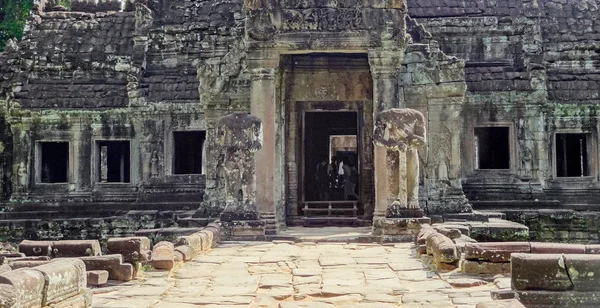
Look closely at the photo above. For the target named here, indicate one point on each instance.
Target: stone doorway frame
(295, 160)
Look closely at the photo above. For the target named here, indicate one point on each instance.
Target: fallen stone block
(194, 240)
(5, 268)
(539, 272)
(506, 303)
(26, 264)
(494, 251)
(163, 255)
(97, 278)
(558, 299)
(133, 249)
(12, 255)
(81, 300)
(75, 248)
(215, 228)
(584, 271)
(36, 248)
(592, 249)
(209, 238)
(117, 270)
(557, 248)
(8, 296)
(442, 248)
(483, 267)
(29, 286)
(206, 245)
(188, 252)
(64, 278)
(448, 232)
(423, 234)
(502, 294)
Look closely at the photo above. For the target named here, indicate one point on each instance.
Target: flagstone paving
(289, 275)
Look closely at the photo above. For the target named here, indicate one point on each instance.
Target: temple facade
(110, 111)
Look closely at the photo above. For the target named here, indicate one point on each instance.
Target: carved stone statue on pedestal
(400, 131)
(239, 136)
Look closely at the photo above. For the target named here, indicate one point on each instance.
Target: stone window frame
(170, 151)
(95, 154)
(37, 163)
(512, 144)
(592, 157)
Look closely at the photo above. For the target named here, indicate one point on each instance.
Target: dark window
(572, 155)
(54, 162)
(113, 161)
(492, 147)
(188, 148)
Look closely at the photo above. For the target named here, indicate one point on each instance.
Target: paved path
(287, 275)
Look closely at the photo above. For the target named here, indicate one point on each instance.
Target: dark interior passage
(55, 162)
(188, 148)
(571, 155)
(322, 178)
(492, 147)
(114, 163)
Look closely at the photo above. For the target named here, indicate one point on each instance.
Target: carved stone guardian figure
(398, 134)
(239, 136)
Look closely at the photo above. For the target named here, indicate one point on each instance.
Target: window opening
(54, 162)
(572, 155)
(492, 148)
(188, 152)
(114, 163)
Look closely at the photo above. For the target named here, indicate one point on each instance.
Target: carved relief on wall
(441, 142)
(329, 19)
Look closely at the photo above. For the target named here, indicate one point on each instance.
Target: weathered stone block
(163, 255)
(188, 252)
(584, 271)
(29, 286)
(421, 236)
(194, 241)
(133, 249)
(482, 267)
(442, 248)
(557, 248)
(5, 268)
(592, 249)
(505, 303)
(398, 226)
(539, 272)
(64, 278)
(81, 300)
(209, 239)
(494, 252)
(111, 263)
(75, 248)
(8, 296)
(558, 299)
(36, 248)
(97, 278)
(26, 264)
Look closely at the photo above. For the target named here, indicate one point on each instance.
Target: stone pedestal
(398, 229)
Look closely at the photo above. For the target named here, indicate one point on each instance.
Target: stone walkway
(284, 274)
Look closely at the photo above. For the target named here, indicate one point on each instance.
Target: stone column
(385, 67)
(263, 104)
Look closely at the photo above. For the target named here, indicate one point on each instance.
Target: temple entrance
(329, 150)
(331, 165)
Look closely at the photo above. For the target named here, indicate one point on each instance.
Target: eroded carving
(239, 136)
(401, 131)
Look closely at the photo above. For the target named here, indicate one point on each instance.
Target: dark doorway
(492, 147)
(188, 151)
(114, 165)
(571, 155)
(54, 162)
(331, 159)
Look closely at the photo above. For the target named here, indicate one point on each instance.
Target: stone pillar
(263, 104)
(239, 136)
(398, 134)
(385, 68)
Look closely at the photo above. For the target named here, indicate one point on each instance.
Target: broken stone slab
(558, 299)
(36, 248)
(557, 248)
(442, 248)
(29, 286)
(117, 270)
(134, 249)
(81, 300)
(163, 255)
(584, 271)
(97, 278)
(539, 272)
(187, 252)
(8, 296)
(75, 248)
(64, 278)
(26, 264)
(494, 251)
(482, 267)
(194, 241)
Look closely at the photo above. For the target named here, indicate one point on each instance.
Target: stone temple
(118, 116)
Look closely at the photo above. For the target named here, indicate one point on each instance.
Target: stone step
(514, 204)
